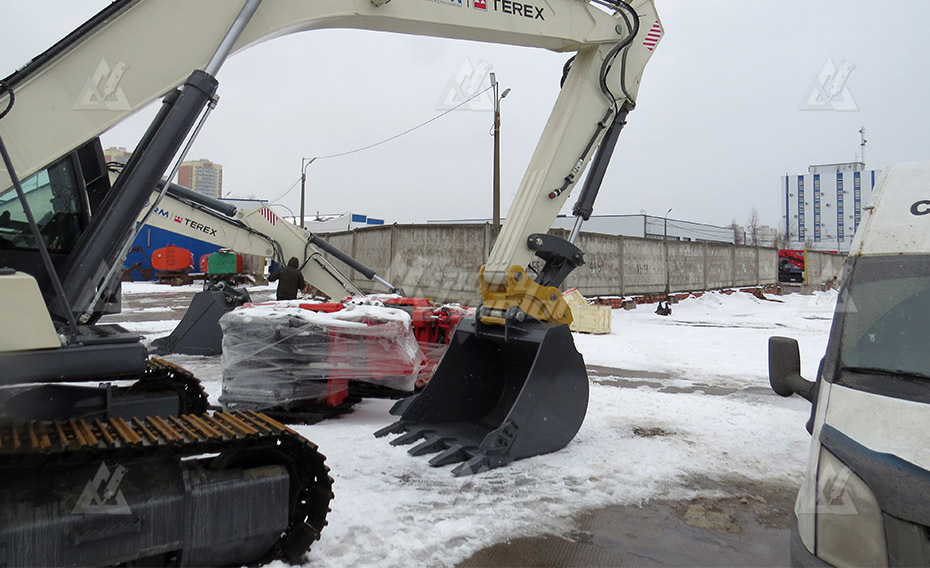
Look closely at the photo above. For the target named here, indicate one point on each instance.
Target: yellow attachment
(544, 303)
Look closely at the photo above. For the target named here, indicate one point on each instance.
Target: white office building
(822, 209)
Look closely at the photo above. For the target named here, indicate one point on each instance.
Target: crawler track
(238, 437)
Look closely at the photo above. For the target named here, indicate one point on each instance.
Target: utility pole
(496, 207)
(862, 142)
(304, 162)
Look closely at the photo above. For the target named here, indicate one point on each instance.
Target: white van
(865, 500)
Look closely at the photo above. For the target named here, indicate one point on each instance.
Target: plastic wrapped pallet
(278, 353)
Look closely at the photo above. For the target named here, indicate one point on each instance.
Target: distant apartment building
(822, 209)
(761, 235)
(202, 176)
(117, 154)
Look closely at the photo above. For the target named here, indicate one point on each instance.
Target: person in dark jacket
(290, 280)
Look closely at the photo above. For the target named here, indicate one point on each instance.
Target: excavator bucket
(198, 332)
(498, 395)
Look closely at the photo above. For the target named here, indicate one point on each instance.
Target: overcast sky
(717, 121)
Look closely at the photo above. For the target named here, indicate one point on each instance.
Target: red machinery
(172, 259)
(791, 266)
(298, 366)
(173, 264)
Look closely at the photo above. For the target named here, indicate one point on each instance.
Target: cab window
(52, 195)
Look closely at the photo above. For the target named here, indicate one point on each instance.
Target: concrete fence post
(620, 241)
(704, 250)
(733, 271)
(392, 257)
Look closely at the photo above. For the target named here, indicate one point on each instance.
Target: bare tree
(781, 235)
(752, 227)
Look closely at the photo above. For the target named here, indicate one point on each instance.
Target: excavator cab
(61, 197)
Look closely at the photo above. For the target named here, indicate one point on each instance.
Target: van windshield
(885, 315)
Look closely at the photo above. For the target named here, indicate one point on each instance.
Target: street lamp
(666, 223)
(498, 97)
(304, 162)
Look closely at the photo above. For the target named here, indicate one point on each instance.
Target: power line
(395, 137)
(408, 131)
(288, 190)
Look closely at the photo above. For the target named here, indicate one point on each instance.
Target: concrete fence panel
(719, 265)
(823, 267)
(768, 266)
(602, 274)
(745, 266)
(644, 267)
(442, 264)
(686, 266)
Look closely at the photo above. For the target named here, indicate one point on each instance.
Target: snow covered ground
(671, 398)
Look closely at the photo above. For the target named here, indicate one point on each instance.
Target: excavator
(259, 232)
(134, 469)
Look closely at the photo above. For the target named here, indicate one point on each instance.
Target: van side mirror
(785, 369)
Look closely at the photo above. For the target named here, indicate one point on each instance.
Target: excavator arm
(257, 231)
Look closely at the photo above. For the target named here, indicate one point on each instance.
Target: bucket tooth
(395, 428)
(475, 465)
(454, 454)
(430, 446)
(410, 437)
(402, 405)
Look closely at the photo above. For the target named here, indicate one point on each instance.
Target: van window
(885, 312)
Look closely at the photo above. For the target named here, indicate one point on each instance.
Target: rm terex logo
(190, 223)
(921, 207)
(513, 8)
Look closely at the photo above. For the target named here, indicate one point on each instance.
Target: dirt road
(740, 522)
